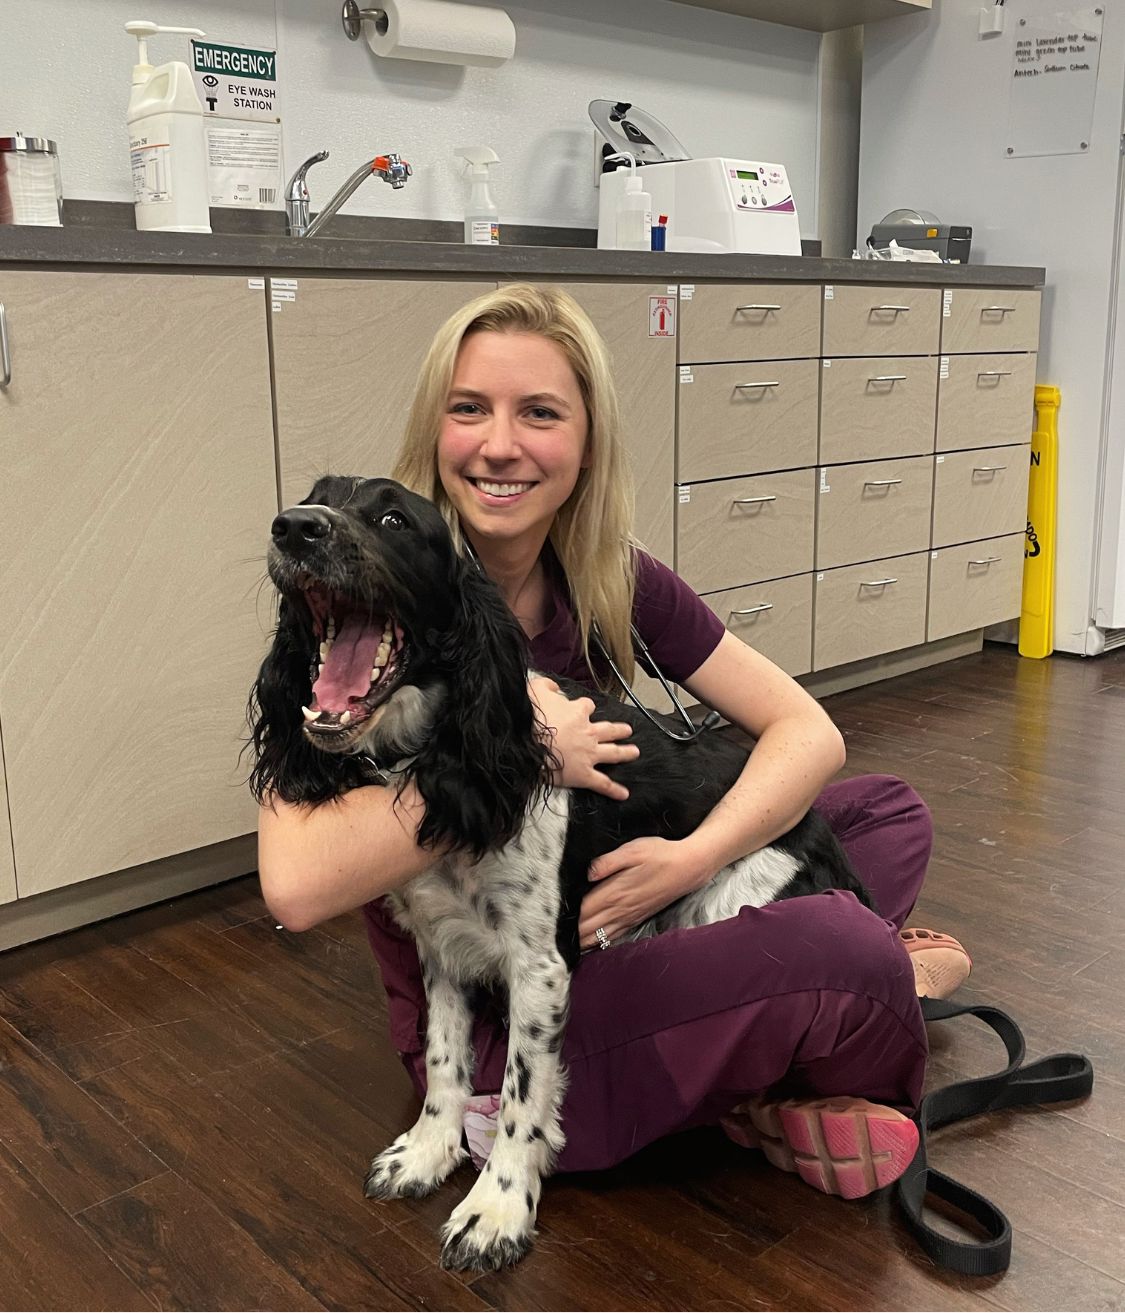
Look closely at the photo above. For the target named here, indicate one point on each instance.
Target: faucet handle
(297, 197)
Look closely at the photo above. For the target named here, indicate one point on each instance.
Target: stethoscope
(641, 651)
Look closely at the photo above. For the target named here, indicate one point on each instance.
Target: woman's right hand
(581, 745)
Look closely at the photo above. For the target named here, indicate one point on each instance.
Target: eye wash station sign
(238, 89)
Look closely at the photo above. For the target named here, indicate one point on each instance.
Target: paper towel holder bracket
(354, 18)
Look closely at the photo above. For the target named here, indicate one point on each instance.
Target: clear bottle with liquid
(482, 216)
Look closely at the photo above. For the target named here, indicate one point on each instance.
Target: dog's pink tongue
(347, 668)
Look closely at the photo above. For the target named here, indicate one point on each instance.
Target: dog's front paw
(415, 1165)
(490, 1228)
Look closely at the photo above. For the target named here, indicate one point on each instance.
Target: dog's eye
(392, 520)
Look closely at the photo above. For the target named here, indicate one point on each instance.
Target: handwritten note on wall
(1054, 76)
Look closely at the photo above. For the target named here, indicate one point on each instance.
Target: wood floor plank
(47, 1261)
(77, 1152)
(185, 1254)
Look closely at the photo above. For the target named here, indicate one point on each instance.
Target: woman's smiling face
(514, 436)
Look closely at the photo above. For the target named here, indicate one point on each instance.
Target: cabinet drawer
(980, 494)
(974, 585)
(875, 407)
(863, 610)
(749, 321)
(975, 319)
(882, 321)
(773, 618)
(746, 419)
(880, 508)
(985, 401)
(735, 531)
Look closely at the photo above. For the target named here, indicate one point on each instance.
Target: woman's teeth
(502, 489)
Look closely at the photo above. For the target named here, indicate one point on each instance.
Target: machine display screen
(747, 173)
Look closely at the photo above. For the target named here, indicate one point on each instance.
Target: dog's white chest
(478, 920)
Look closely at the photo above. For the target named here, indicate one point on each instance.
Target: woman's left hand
(633, 882)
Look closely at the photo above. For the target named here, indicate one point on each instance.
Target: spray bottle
(482, 218)
(167, 144)
(634, 210)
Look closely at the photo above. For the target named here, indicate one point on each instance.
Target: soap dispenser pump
(482, 218)
(167, 144)
(634, 210)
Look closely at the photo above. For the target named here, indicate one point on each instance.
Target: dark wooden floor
(189, 1096)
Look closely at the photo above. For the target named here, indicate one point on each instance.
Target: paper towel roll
(443, 33)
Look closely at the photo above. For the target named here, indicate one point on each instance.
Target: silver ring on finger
(602, 938)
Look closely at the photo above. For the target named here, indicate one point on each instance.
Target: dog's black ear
(286, 764)
(484, 762)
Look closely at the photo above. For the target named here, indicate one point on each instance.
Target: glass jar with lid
(30, 181)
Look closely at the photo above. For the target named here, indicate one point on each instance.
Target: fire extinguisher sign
(662, 316)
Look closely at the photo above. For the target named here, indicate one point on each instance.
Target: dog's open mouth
(361, 660)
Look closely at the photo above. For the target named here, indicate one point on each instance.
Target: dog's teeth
(382, 654)
(325, 648)
(310, 715)
(346, 718)
(375, 673)
(331, 628)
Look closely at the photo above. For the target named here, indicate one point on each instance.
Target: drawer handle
(880, 483)
(988, 469)
(887, 378)
(876, 583)
(753, 610)
(739, 308)
(5, 352)
(994, 373)
(898, 309)
(751, 501)
(986, 560)
(998, 309)
(769, 383)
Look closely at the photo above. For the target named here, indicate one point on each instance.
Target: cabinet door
(644, 370)
(7, 867)
(138, 489)
(346, 355)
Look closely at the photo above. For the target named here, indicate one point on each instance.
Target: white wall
(932, 136)
(724, 85)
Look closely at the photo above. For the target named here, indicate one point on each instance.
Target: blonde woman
(514, 434)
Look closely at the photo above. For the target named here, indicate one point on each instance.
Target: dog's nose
(300, 527)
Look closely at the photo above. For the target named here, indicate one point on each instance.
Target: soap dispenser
(482, 218)
(634, 210)
(167, 142)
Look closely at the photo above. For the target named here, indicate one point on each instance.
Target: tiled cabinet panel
(879, 508)
(980, 493)
(985, 401)
(975, 584)
(749, 321)
(875, 407)
(862, 320)
(866, 610)
(979, 319)
(774, 618)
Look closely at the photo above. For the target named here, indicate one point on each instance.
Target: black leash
(1052, 1079)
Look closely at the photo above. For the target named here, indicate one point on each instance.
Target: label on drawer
(827, 364)
(943, 369)
(829, 292)
(685, 493)
(824, 486)
(686, 376)
(255, 284)
(947, 302)
(687, 291)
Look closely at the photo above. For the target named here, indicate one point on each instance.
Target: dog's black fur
(452, 714)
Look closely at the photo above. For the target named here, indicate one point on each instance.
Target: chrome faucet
(391, 168)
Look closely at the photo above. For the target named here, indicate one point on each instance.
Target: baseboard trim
(823, 683)
(59, 910)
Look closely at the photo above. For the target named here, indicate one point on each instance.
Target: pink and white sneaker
(846, 1147)
(482, 1112)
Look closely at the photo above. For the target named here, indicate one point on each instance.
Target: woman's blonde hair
(592, 530)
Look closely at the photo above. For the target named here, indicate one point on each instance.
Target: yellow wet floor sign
(1037, 617)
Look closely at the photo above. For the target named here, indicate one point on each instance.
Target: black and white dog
(395, 654)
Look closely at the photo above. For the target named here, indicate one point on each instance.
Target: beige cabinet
(644, 376)
(346, 356)
(865, 610)
(749, 321)
(774, 618)
(138, 488)
(7, 866)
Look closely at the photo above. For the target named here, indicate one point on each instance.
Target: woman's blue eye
(464, 408)
(543, 412)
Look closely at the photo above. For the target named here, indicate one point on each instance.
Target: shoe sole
(844, 1147)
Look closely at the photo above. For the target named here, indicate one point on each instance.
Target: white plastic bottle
(634, 211)
(482, 218)
(167, 144)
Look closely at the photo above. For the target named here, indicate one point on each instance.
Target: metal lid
(20, 142)
(626, 127)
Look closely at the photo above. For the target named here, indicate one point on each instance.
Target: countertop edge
(100, 249)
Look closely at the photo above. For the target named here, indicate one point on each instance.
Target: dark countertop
(95, 238)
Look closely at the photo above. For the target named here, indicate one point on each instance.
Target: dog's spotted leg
(494, 1224)
(421, 1158)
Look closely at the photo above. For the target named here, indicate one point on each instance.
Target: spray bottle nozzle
(478, 159)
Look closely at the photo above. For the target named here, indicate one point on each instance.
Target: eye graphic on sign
(210, 80)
